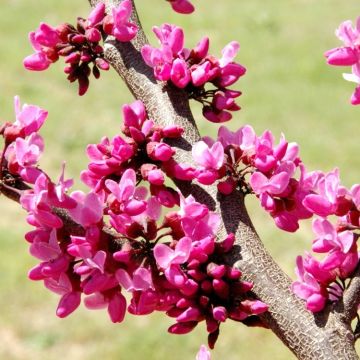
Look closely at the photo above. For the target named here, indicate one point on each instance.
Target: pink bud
(220, 313)
(180, 74)
(190, 314)
(156, 177)
(117, 308)
(97, 14)
(182, 328)
(344, 56)
(221, 288)
(93, 35)
(216, 271)
(201, 49)
(233, 274)
(172, 131)
(68, 303)
(102, 64)
(159, 151)
(190, 287)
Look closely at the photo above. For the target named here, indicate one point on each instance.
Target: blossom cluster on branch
(192, 69)
(348, 55)
(134, 231)
(167, 262)
(80, 45)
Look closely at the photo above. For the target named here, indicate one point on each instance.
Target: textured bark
(324, 336)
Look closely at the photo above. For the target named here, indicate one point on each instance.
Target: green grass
(288, 88)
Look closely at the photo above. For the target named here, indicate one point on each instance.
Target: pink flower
(203, 354)
(124, 193)
(28, 151)
(89, 209)
(274, 185)
(348, 55)
(43, 41)
(159, 59)
(229, 53)
(165, 256)
(245, 138)
(208, 157)
(180, 74)
(171, 36)
(123, 29)
(170, 260)
(324, 203)
(307, 288)
(141, 279)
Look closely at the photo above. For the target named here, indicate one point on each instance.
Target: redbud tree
(163, 225)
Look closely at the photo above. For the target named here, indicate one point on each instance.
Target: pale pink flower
(203, 354)
(307, 288)
(124, 193)
(89, 209)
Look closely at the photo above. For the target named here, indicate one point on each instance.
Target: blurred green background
(288, 88)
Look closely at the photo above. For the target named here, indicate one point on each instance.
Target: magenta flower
(324, 203)
(274, 185)
(141, 279)
(123, 29)
(165, 256)
(348, 55)
(43, 41)
(307, 288)
(180, 74)
(208, 157)
(170, 36)
(89, 209)
(124, 193)
(169, 259)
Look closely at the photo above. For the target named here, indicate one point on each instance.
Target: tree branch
(351, 298)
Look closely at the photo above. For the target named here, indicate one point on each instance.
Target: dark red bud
(64, 30)
(78, 39)
(212, 338)
(96, 72)
(108, 24)
(66, 50)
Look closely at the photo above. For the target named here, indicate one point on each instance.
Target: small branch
(351, 298)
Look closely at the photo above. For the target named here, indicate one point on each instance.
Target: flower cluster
(256, 164)
(348, 55)
(95, 246)
(290, 193)
(318, 279)
(142, 149)
(80, 45)
(193, 69)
